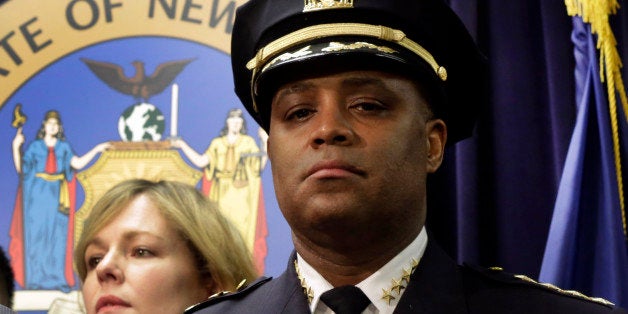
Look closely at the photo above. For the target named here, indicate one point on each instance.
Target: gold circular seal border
(38, 33)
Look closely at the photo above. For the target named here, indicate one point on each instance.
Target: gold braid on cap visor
(337, 29)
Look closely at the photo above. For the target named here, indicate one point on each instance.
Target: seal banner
(119, 87)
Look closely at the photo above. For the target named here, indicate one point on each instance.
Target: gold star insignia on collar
(406, 275)
(309, 293)
(307, 290)
(387, 296)
(415, 263)
(397, 285)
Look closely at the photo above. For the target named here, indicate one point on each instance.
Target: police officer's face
(351, 150)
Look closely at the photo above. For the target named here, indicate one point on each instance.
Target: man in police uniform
(359, 98)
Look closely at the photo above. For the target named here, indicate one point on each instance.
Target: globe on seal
(141, 122)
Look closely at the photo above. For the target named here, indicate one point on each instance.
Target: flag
(260, 247)
(16, 244)
(587, 247)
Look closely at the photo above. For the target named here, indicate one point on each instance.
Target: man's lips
(333, 169)
(110, 301)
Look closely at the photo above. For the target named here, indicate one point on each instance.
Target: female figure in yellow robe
(233, 164)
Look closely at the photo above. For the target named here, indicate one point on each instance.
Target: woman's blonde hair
(218, 246)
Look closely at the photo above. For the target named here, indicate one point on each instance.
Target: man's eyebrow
(294, 88)
(363, 81)
(357, 81)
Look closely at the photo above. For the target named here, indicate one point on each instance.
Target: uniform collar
(384, 281)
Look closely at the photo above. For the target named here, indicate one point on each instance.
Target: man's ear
(436, 136)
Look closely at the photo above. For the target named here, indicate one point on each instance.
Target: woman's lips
(110, 302)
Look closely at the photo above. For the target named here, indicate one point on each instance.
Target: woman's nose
(109, 269)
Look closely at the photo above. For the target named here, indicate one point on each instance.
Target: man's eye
(299, 114)
(368, 106)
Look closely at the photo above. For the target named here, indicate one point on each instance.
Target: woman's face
(234, 123)
(51, 126)
(139, 264)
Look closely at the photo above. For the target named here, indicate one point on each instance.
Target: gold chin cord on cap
(307, 34)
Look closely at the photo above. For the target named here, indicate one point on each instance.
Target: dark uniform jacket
(438, 285)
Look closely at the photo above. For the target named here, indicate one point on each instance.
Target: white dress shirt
(372, 286)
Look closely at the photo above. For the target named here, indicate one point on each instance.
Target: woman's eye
(93, 261)
(142, 252)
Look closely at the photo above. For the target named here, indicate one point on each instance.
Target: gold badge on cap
(315, 5)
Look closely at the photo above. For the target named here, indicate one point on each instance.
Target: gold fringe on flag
(596, 12)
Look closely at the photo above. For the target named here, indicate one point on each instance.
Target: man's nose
(332, 124)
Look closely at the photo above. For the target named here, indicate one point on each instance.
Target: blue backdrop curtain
(492, 202)
(505, 178)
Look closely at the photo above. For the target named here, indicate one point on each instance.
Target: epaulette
(498, 274)
(242, 290)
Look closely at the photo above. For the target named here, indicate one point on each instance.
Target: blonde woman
(152, 247)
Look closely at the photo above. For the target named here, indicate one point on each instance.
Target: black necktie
(346, 300)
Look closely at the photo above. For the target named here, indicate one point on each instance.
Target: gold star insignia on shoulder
(387, 296)
(397, 285)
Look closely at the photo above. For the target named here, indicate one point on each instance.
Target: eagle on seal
(140, 86)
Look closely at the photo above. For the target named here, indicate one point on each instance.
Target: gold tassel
(596, 12)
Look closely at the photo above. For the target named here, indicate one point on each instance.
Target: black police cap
(278, 40)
